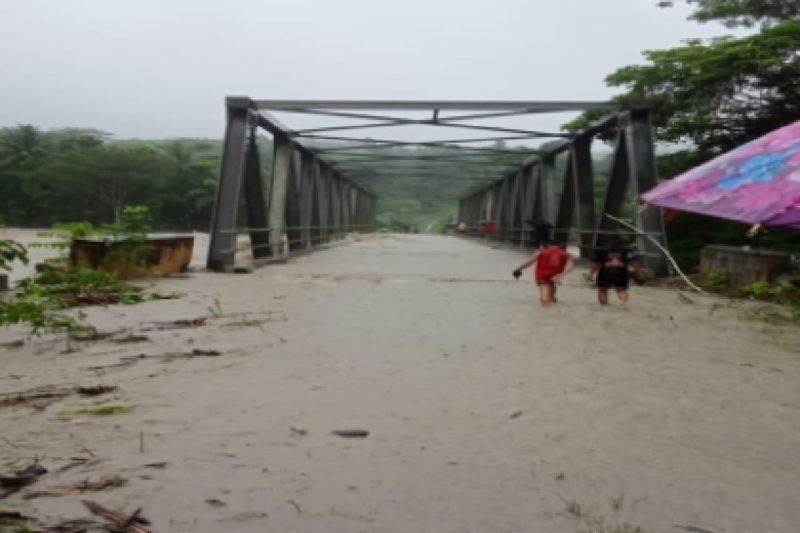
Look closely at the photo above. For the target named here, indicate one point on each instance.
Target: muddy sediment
(479, 410)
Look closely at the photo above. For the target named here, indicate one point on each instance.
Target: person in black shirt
(611, 266)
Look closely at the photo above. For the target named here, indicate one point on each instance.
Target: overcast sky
(161, 68)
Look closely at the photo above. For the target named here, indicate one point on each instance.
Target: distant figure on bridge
(552, 264)
(490, 228)
(541, 232)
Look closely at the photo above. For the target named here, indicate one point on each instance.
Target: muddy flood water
(484, 412)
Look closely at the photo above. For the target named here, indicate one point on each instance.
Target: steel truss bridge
(322, 177)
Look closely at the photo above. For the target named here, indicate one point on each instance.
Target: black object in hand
(517, 273)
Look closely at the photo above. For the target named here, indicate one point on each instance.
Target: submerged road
(485, 412)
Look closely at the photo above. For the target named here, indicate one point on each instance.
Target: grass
(598, 525)
(99, 410)
(593, 524)
(215, 310)
(247, 322)
(574, 508)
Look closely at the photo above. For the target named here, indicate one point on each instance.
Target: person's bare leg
(602, 296)
(553, 289)
(623, 296)
(546, 293)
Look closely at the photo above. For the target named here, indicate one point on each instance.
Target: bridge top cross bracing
(371, 141)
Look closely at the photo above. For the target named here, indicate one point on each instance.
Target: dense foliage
(46, 177)
(742, 12)
(710, 97)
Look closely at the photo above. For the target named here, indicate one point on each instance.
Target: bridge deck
(477, 401)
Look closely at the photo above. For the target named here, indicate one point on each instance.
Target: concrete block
(745, 265)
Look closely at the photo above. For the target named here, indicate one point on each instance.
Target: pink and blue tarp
(757, 183)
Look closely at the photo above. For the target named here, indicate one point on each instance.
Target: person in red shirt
(552, 264)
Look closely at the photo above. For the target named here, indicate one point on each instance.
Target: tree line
(707, 97)
(79, 174)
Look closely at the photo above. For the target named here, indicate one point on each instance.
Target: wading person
(552, 264)
(611, 267)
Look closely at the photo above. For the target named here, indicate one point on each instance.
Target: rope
(663, 250)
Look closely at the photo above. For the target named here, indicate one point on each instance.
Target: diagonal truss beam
(435, 123)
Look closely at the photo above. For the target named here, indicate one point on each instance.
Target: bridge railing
(243, 248)
(534, 191)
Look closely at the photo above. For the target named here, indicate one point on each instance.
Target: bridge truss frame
(529, 193)
(321, 177)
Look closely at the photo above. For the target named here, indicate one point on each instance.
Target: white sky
(161, 68)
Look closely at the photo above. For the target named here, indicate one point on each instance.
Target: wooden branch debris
(38, 398)
(16, 481)
(79, 488)
(161, 325)
(351, 433)
(42, 397)
(128, 524)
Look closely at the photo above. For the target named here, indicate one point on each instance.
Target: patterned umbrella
(757, 183)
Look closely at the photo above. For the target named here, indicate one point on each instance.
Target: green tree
(95, 183)
(22, 146)
(713, 96)
(22, 149)
(720, 94)
(746, 13)
(186, 194)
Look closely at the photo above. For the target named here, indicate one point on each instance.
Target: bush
(66, 288)
(782, 293)
(38, 314)
(718, 279)
(11, 251)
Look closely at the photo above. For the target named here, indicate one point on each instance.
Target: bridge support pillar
(566, 205)
(584, 191)
(616, 190)
(547, 176)
(307, 171)
(642, 162)
(222, 244)
(255, 200)
(282, 168)
(294, 219)
(336, 204)
(323, 201)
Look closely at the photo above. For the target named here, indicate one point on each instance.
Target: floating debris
(20, 479)
(78, 488)
(96, 390)
(96, 410)
(130, 524)
(351, 433)
(175, 324)
(38, 398)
